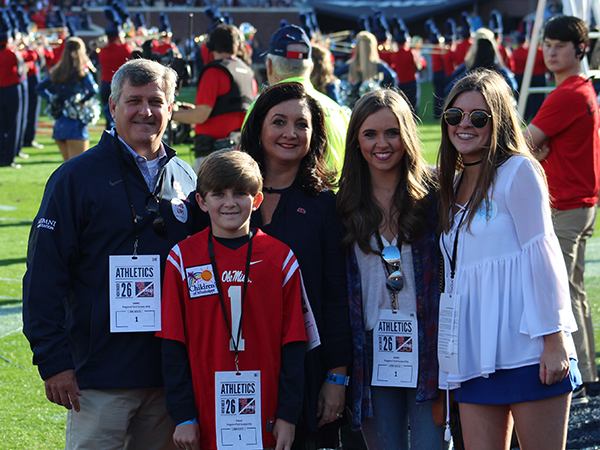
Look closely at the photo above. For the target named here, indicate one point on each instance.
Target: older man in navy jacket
(91, 293)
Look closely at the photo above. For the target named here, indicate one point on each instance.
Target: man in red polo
(565, 135)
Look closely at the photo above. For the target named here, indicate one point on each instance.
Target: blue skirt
(515, 386)
(66, 128)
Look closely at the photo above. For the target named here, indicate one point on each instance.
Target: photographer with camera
(226, 88)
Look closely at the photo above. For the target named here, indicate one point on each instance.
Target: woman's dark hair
(506, 140)
(356, 207)
(313, 174)
(485, 56)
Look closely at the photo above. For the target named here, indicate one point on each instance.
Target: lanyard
(129, 199)
(455, 245)
(213, 262)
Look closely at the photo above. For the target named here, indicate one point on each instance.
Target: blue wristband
(336, 378)
(194, 420)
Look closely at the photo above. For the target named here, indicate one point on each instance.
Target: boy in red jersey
(232, 325)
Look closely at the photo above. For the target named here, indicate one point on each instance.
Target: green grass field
(27, 419)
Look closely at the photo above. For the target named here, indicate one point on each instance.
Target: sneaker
(33, 144)
(15, 165)
(579, 396)
(23, 155)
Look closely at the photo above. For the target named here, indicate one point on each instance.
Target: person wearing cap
(32, 54)
(449, 47)
(204, 55)
(498, 29)
(11, 65)
(437, 67)
(538, 76)
(164, 43)
(112, 56)
(289, 58)
(407, 62)
(462, 47)
(226, 88)
(57, 52)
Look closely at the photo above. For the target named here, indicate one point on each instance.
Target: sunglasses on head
(454, 117)
(158, 223)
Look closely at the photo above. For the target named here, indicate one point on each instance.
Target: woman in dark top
(285, 134)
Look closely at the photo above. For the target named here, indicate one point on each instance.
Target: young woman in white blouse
(505, 349)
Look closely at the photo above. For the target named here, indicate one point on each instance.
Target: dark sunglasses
(395, 280)
(158, 223)
(454, 117)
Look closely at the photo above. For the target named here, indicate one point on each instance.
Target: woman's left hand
(554, 363)
(330, 403)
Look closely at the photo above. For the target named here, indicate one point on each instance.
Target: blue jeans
(394, 409)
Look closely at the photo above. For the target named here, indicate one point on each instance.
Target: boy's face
(229, 211)
(560, 56)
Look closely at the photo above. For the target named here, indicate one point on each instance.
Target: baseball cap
(290, 42)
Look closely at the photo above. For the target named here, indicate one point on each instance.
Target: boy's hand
(187, 436)
(284, 434)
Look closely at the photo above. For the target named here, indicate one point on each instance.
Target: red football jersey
(272, 316)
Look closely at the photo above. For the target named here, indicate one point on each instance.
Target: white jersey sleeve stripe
(176, 259)
(289, 267)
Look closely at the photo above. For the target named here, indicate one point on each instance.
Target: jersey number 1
(235, 298)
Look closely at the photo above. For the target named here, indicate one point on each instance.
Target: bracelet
(194, 420)
(336, 378)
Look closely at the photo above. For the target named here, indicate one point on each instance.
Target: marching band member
(111, 57)
(10, 100)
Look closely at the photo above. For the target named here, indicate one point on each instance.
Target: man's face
(560, 56)
(141, 115)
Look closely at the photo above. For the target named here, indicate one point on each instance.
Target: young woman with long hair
(507, 352)
(68, 87)
(387, 202)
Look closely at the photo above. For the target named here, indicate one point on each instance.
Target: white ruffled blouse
(510, 275)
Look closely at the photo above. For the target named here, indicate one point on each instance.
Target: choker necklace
(474, 163)
(270, 190)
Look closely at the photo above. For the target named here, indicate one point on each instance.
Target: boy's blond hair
(229, 169)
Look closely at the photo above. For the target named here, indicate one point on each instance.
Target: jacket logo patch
(46, 223)
(201, 281)
(301, 210)
(179, 210)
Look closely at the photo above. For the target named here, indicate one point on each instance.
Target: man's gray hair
(139, 72)
(287, 68)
